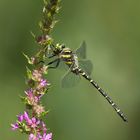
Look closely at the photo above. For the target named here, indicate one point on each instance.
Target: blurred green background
(112, 32)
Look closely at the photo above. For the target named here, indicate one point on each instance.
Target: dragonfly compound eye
(62, 46)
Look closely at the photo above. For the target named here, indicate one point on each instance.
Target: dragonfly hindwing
(81, 51)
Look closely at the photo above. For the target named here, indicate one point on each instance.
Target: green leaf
(44, 113)
(29, 60)
(33, 35)
(23, 99)
(29, 73)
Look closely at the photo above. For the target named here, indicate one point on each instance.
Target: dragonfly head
(59, 47)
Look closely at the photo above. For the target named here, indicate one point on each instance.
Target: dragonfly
(78, 66)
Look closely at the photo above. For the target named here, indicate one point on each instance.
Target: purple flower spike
(31, 121)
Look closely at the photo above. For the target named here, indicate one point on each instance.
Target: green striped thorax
(67, 55)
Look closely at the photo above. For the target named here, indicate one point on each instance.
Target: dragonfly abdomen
(117, 109)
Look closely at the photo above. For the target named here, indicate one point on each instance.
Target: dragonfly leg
(57, 64)
(52, 56)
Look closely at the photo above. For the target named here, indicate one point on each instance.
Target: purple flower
(31, 98)
(34, 122)
(29, 92)
(15, 126)
(37, 75)
(26, 116)
(43, 82)
(44, 129)
(20, 118)
(33, 137)
(26, 123)
(38, 109)
(46, 136)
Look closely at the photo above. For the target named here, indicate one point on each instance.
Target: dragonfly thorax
(69, 57)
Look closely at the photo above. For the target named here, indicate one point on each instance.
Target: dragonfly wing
(70, 79)
(62, 66)
(86, 65)
(81, 51)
